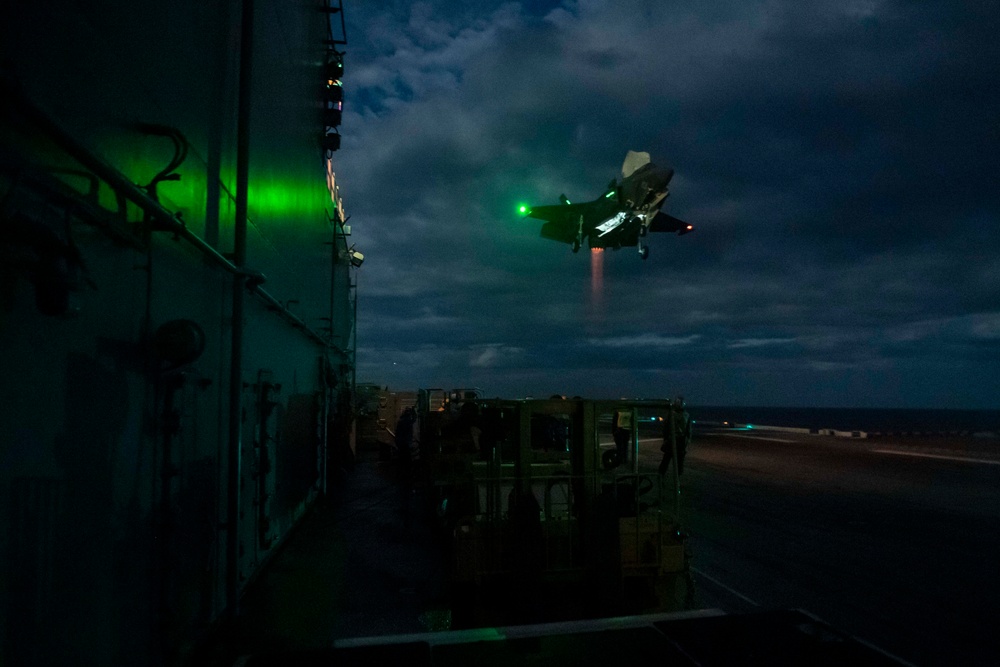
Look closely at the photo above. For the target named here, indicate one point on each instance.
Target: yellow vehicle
(540, 508)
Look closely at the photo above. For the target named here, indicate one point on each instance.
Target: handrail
(161, 218)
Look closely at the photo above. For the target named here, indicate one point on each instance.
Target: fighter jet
(627, 211)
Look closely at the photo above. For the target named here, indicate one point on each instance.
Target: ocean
(871, 420)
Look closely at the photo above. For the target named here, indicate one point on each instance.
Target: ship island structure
(176, 391)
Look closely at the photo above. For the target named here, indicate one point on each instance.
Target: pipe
(239, 284)
(672, 425)
(170, 418)
(165, 220)
(354, 346)
(291, 318)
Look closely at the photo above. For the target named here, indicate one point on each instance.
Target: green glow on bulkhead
(288, 199)
(280, 195)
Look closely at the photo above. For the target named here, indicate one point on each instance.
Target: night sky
(839, 162)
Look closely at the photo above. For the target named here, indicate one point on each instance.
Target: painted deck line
(444, 637)
(756, 437)
(610, 443)
(963, 459)
(722, 585)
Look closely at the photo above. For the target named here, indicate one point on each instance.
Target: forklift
(549, 519)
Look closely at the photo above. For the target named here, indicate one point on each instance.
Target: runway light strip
(963, 459)
(719, 583)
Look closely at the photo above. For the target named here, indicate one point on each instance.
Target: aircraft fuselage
(621, 215)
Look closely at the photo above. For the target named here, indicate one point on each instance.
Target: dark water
(857, 419)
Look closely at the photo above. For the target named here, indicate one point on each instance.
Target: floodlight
(335, 69)
(332, 115)
(334, 92)
(330, 142)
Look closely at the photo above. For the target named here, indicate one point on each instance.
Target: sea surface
(871, 420)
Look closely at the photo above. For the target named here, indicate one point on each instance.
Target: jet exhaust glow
(596, 284)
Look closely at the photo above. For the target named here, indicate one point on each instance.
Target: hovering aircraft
(625, 213)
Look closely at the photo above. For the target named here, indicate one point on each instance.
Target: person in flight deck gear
(680, 421)
(622, 433)
(404, 442)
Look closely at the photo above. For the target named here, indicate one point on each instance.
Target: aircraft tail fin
(633, 161)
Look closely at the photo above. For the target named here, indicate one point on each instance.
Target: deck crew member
(678, 428)
(622, 433)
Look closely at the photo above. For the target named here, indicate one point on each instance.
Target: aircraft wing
(562, 221)
(557, 212)
(668, 223)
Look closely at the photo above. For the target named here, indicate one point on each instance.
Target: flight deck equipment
(530, 493)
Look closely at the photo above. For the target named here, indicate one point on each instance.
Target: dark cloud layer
(839, 161)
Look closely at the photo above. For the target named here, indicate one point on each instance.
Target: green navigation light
(523, 209)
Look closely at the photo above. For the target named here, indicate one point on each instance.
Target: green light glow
(610, 194)
(273, 200)
(523, 209)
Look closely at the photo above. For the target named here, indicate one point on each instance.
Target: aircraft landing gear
(643, 251)
(579, 236)
(576, 245)
(643, 230)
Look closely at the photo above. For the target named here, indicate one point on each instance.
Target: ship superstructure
(177, 322)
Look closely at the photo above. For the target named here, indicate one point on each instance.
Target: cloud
(836, 159)
(985, 326)
(758, 342)
(646, 340)
(490, 356)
